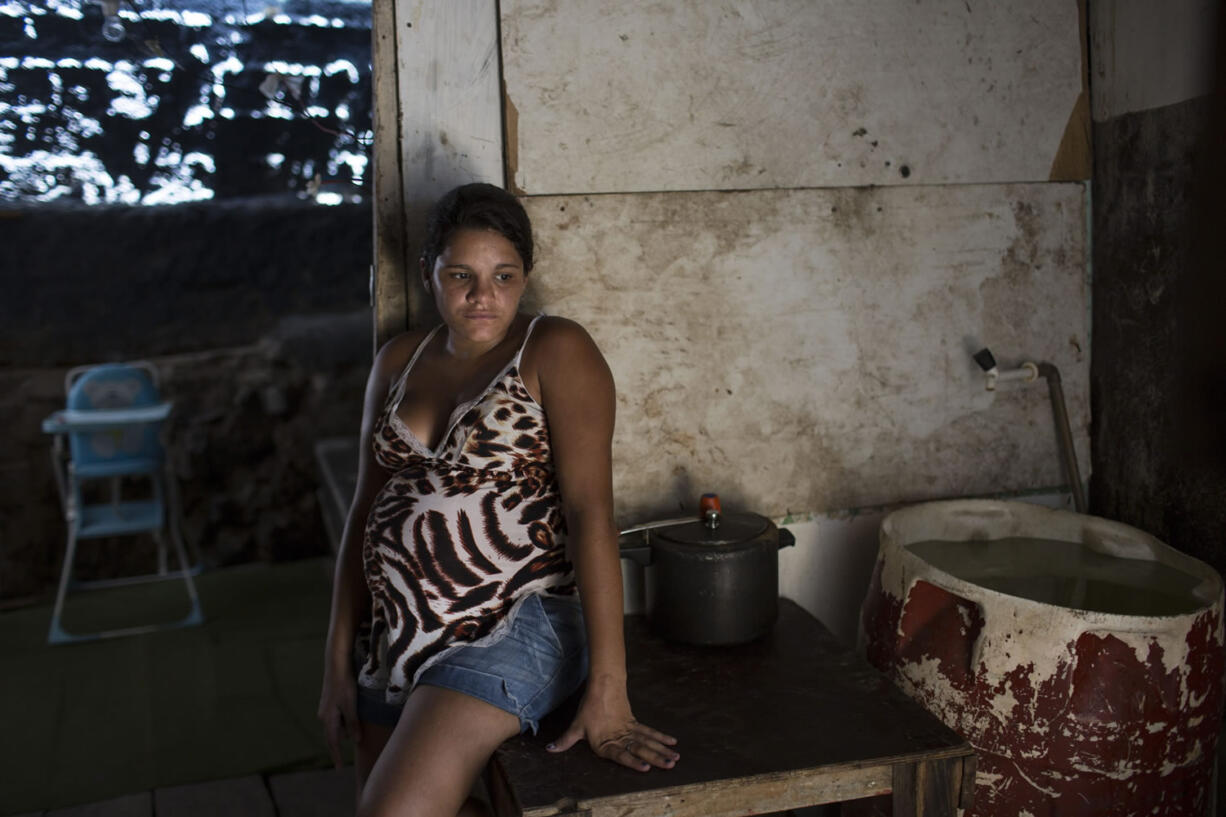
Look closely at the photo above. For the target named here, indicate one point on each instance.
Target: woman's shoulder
(562, 346)
(396, 353)
(552, 330)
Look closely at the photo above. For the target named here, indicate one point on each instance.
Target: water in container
(1067, 574)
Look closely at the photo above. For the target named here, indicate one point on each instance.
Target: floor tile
(238, 797)
(317, 793)
(235, 697)
(129, 805)
(103, 742)
(30, 700)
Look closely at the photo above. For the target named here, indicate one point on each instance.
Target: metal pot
(710, 580)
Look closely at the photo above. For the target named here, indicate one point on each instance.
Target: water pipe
(1027, 373)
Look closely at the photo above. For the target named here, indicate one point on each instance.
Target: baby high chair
(112, 424)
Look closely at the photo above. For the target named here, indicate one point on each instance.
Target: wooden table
(792, 720)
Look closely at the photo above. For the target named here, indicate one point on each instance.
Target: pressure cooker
(710, 579)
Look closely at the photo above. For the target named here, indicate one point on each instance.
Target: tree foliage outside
(197, 100)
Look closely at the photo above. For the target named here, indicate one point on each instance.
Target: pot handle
(660, 523)
(640, 552)
(786, 538)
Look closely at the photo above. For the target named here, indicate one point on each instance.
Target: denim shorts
(537, 664)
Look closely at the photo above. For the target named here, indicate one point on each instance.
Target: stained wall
(1159, 340)
(810, 350)
(768, 95)
(789, 225)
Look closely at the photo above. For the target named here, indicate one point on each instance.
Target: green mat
(88, 721)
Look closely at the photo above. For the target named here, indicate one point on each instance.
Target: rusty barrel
(1082, 658)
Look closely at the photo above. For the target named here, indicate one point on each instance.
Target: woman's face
(477, 282)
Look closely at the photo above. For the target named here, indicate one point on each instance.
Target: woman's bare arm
(577, 393)
(350, 597)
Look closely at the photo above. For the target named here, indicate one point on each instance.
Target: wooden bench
(790, 721)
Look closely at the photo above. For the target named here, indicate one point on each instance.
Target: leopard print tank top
(460, 534)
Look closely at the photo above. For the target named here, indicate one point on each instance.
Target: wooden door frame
(438, 122)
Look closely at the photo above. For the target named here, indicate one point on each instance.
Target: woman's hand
(338, 709)
(605, 721)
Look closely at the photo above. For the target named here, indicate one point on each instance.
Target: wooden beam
(797, 788)
(388, 295)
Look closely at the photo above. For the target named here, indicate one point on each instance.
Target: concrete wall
(1159, 340)
(89, 283)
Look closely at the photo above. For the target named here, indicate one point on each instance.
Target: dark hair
(477, 206)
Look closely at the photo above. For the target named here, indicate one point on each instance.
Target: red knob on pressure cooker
(709, 511)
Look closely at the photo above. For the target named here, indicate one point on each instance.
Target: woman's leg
(434, 755)
(374, 737)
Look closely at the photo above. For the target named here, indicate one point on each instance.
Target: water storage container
(1082, 658)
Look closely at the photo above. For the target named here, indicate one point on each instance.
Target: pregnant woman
(478, 581)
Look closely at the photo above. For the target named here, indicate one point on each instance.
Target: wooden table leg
(927, 788)
(966, 797)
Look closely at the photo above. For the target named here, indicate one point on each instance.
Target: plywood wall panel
(809, 350)
(754, 94)
(449, 103)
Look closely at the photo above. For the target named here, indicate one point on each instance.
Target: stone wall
(255, 312)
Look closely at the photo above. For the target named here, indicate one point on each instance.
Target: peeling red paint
(1022, 790)
(1112, 720)
(879, 621)
(937, 624)
(1106, 732)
